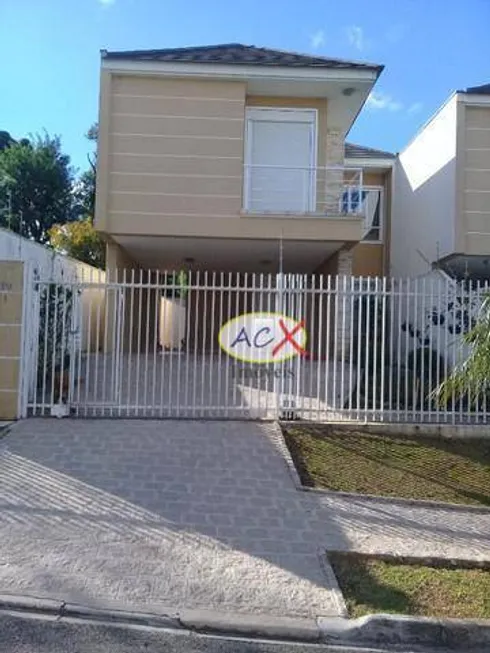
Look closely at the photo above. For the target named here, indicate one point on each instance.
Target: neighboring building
(441, 205)
(231, 158)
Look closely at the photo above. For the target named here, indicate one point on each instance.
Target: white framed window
(280, 160)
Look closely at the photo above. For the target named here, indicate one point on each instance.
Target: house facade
(232, 158)
(441, 193)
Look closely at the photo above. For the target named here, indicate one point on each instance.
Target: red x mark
(289, 338)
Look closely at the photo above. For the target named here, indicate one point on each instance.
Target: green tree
(471, 378)
(85, 187)
(35, 187)
(79, 240)
(5, 140)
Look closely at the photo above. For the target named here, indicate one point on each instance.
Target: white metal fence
(376, 348)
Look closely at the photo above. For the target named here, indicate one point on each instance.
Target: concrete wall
(11, 309)
(424, 204)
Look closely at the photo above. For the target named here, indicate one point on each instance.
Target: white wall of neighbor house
(50, 265)
(47, 265)
(424, 202)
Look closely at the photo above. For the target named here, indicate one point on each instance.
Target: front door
(280, 160)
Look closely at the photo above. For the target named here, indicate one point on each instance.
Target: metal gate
(145, 344)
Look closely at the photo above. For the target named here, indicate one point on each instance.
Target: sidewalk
(173, 515)
(157, 515)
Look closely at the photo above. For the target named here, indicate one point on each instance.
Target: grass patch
(422, 467)
(370, 585)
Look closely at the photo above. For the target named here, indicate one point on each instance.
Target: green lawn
(422, 467)
(371, 586)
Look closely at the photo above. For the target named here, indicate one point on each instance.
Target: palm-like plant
(471, 378)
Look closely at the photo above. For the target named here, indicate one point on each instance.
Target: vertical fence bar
(55, 343)
(391, 310)
(221, 405)
(460, 308)
(383, 350)
(375, 318)
(44, 290)
(475, 301)
(335, 335)
(269, 395)
(424, 395)
(227, 359)
(407, 347)
(255, 397)
(105, 343)
(97, 340)
(64, 289)
(467, 308)
(248, 366)
(486, 290)
(454, 346)
(196, 333)
(399, 345)
(212, 367)
(320, 346)
(88, 343)
(342, 369)
(361, 373)
(180, 346)
(131, 340)
(351, 345)
(78, 409)
(312, 345)
(328, 347)
(416, 323)
(368, 391)
(434, 403)
(187, 360)
(139, 322)
(156, 338)
(144, 403)
(237, 310)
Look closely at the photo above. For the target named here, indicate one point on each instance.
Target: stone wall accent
(11, 314)
(343, 308)
(334, 178)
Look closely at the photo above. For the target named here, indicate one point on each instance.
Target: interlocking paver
(157, 514)
(400, 528)
(150, 514)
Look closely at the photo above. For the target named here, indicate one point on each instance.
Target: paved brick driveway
(157, 515)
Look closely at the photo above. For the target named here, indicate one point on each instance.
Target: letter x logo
(288, 337)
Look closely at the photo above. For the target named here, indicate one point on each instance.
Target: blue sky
(49, 53)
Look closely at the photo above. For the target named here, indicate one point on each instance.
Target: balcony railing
(324, 191)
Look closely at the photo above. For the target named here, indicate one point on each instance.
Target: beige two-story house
(441, 207)
(233, 158)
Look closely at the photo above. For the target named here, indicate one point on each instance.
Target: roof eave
(233, 70)
(369, 162)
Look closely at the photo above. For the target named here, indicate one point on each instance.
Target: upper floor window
(368, 202)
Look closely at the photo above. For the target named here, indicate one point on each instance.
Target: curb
(199, 621)
(265, 626)
(397, 630)
(374, 631)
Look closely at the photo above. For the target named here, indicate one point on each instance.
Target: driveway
(158, 515)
